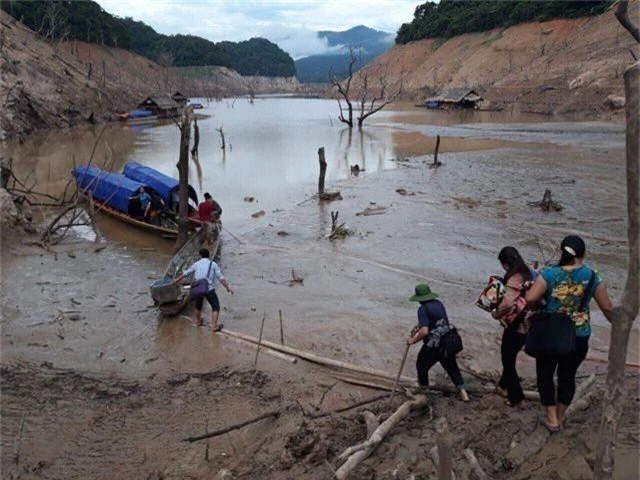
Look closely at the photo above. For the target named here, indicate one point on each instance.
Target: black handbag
(451, 343)
(554, 333)
(551, 333)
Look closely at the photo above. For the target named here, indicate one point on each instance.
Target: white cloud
(289, 23)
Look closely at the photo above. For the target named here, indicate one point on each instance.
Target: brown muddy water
(353, 305)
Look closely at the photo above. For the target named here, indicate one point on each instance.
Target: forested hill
(87, 21)
(455, 17)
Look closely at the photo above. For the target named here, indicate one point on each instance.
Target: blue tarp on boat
(111, 188)
(164, 185)
(140, 113)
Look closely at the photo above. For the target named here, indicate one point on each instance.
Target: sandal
(218, 328)
(552, 429)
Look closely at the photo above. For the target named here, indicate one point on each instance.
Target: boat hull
(164, 232)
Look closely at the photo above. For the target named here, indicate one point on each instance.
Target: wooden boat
(169, 296)
(112, 194)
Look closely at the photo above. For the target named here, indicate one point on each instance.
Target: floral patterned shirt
(565, 289)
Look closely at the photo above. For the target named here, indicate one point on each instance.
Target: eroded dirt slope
(559, 66)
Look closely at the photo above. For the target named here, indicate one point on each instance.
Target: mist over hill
(369, 43)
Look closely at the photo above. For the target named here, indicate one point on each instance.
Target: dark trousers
(512, 343)
(566, 366)
(428, 357)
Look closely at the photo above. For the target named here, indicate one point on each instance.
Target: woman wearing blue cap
(433, 325)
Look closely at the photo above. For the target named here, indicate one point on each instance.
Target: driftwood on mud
(378, 375)
(408, 381)
(475, 465)
(230, 428)
(536, 440)
(338, 230)
(263, 349)
(547, 203)
(357, 453)
(348, 407)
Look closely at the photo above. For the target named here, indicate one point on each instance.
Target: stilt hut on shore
(179, 98)
(454, 99)
(161, 105)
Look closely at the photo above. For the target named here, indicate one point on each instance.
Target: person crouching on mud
(205, 268)
(433, 323)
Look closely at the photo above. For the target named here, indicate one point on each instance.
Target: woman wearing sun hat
(433, 324)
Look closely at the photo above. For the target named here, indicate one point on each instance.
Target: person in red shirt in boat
(209, 211)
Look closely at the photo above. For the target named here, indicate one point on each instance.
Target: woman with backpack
(567, 289)
(433, 326)
(512, 315)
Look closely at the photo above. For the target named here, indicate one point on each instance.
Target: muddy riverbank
(89, 363)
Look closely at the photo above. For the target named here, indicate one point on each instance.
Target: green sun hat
(423, 293)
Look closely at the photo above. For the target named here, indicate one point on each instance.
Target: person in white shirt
(206, 268)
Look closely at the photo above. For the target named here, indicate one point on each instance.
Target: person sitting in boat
(157, 209)
(209, 211)
(144, 199)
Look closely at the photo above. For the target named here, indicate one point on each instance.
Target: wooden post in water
(323, 170)
(255, 362)
(281, 329)
(183, 176)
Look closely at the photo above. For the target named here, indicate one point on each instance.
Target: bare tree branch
(622, 15)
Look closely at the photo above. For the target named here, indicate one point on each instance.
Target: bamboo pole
(395, 384)
(255, 362)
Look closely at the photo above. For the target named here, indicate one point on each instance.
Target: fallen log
(230, 428)
(371, 421)
(475, 465)
(263, 349)
(379, 374)
(316, 358)
(365, 448)
(411, 382)
(350, 407)
(539, 437)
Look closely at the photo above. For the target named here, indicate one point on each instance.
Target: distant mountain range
(369, 42)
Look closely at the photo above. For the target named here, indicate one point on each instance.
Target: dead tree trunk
(343, 87)
(183, 176)
(196, 138)
(436, 163)
(223, 145)
(323, 170)
(625, 313)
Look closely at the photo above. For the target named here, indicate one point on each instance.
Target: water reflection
(270, 154)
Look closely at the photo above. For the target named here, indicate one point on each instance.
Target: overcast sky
(289, 23)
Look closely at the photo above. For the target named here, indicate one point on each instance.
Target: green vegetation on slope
(455, 17)
(86, 20)
(59, 20)
(258, 56)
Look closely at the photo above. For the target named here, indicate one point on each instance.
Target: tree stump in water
(547, 203)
